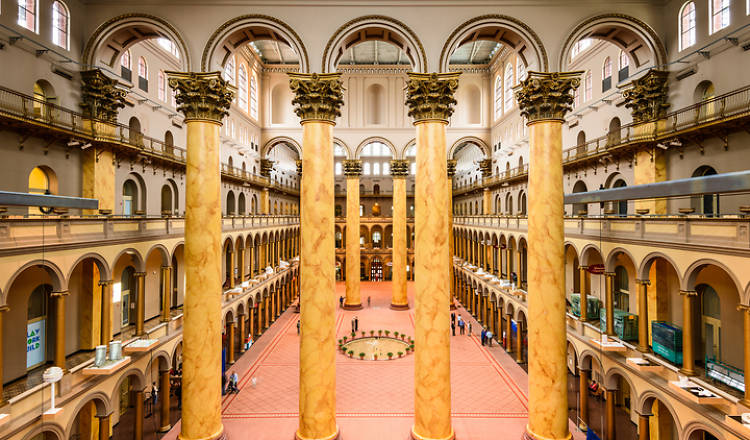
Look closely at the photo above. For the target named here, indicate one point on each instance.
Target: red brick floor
(374, 398)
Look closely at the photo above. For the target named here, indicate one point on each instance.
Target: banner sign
(596, 269)
(35, 343)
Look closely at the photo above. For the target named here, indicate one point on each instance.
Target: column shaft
(267, 312)
(317, 419)
(164, 401)
(610, 415)
(432, 395)
(3, 309)
(583, 396)
(609, 304)
(140, 303)
(60, 328)
(166, 293)
(230, 269)
(230, 342)
(548, 400)
(106, 332)
(138, 422)
(103, 427)
(746, 342)
(519, 341)
(509, 333)
(643, 315)
(688, 348)
(241, 263)
(399, 299)
(242, 333)
(583, 272)
(643, 427)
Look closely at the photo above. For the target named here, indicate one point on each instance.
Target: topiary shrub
(390, 355)
(400, 353)
(361, 355)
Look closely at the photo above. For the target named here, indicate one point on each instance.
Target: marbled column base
(334, 436)
(528, 435)
(416, 436)
(222, 435)
(353, 306)
(400, 306)
(164, 428)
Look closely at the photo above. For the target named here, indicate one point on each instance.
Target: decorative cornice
(451, 168)
(266, 166)
(352, 168)
(430, 96)
(688, 293)
(317, 97)
(485, 166)
(201, 96)
(232, 22)
(545, 96)
(100, 97)
(299, 167)
(647, 97)
(399, 168)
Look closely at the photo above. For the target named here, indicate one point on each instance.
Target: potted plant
(361, 355)
(344, 338)
(343, 348)
(411, 346)
(354, 334)
(341, 341)
(400, 354)
(407, 350)
(375, 356)
(390, 355)
(395, 334)
(387, 332)
(372, 333)
(351, 353)
(380, 333)
(363, 333)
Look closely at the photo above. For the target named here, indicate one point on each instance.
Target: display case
(592, 309)
(667, 341)
(626, 324)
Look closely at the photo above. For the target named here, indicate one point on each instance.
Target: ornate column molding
(545, 96)
(352, 168)
(644, 282)
(266, 166)
(647, 97)
(485, 166)
(317, 97)
(299, 167)
(688, 293)
(100, 96)
(201, 96)
(60, 294)
(451, 168)
(399, 168)
(430, 96)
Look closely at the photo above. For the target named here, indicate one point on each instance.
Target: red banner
(596, 269)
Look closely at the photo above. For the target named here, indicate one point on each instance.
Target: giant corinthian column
(544, 98)
(352, 170)
(204, 99)
(399, 171)
(430, 100)
(317, 101)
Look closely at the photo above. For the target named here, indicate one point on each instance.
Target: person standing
(235, 378)
(368, 301)
(298, 325)
(341, 302)
(453, 328)
(453, 317)
(356, 324)
(353, 326)
(482, 335)
(469, 329)
(489, 338)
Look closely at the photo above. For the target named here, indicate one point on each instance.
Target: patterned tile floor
(374, 398)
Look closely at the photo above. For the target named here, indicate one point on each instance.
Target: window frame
(498, 96)
(253, 89)
(22, 5)
(242, 95)
(145, 68)
(508, 87)
(692, 31)
(56, 31)
(713, 14)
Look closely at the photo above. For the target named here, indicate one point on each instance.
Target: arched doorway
(707, 204)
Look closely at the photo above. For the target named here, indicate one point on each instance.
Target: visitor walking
(353, 330)
(469, 329)
(453, 328)
(482, 335)
(368, 301)
(154, 394)
(453, 317)
(233, 380)
(341, 302)
(298, 325)
(489, 335)
(461, 326)
(356, 324)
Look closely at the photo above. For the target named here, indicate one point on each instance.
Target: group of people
(486, 336)
(229, 384)
(457, 321)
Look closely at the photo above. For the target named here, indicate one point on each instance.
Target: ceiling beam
(473, 51)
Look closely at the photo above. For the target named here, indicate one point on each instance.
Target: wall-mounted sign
(35, 343)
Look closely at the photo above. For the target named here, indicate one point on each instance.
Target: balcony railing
(26, 108)
(732, 105)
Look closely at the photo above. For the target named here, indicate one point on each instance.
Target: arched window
(707, 204)
(520, 70)
(687, 25)
(161, 86)
(27, 12)
(338, 169)
(142, 68)
(169, 46)
(125, 60)
(588, 86)
(129, 198)
(624, 60)
(576, 98)
(607, 74)
(60, 24)
(229, 71)
(508, 88)
(498, 97)
(142, 74)
(710, 322)
(42, 180)
(386, 168)
(376, 168)
(166, 200)
(253, 97)
(366, 169)
(44, 93)
(720, 14)
(579, 47)
(242, 87)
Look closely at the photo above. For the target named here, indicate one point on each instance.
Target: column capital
(352, 167)
(106, 282)
(647, 96)
(583, 267)
(451, 168)
(399, 168)
(4, 308)
(299, 167)
(688, 293)
(100, 96)
(201, 96)
(485, 166)
(266, 166)
(166, 267)
(609, 274)
(139, 274)
(545, 96)
(740, 308)
(429, 96)
(317, 96)
(60, 294)
(643, 282)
